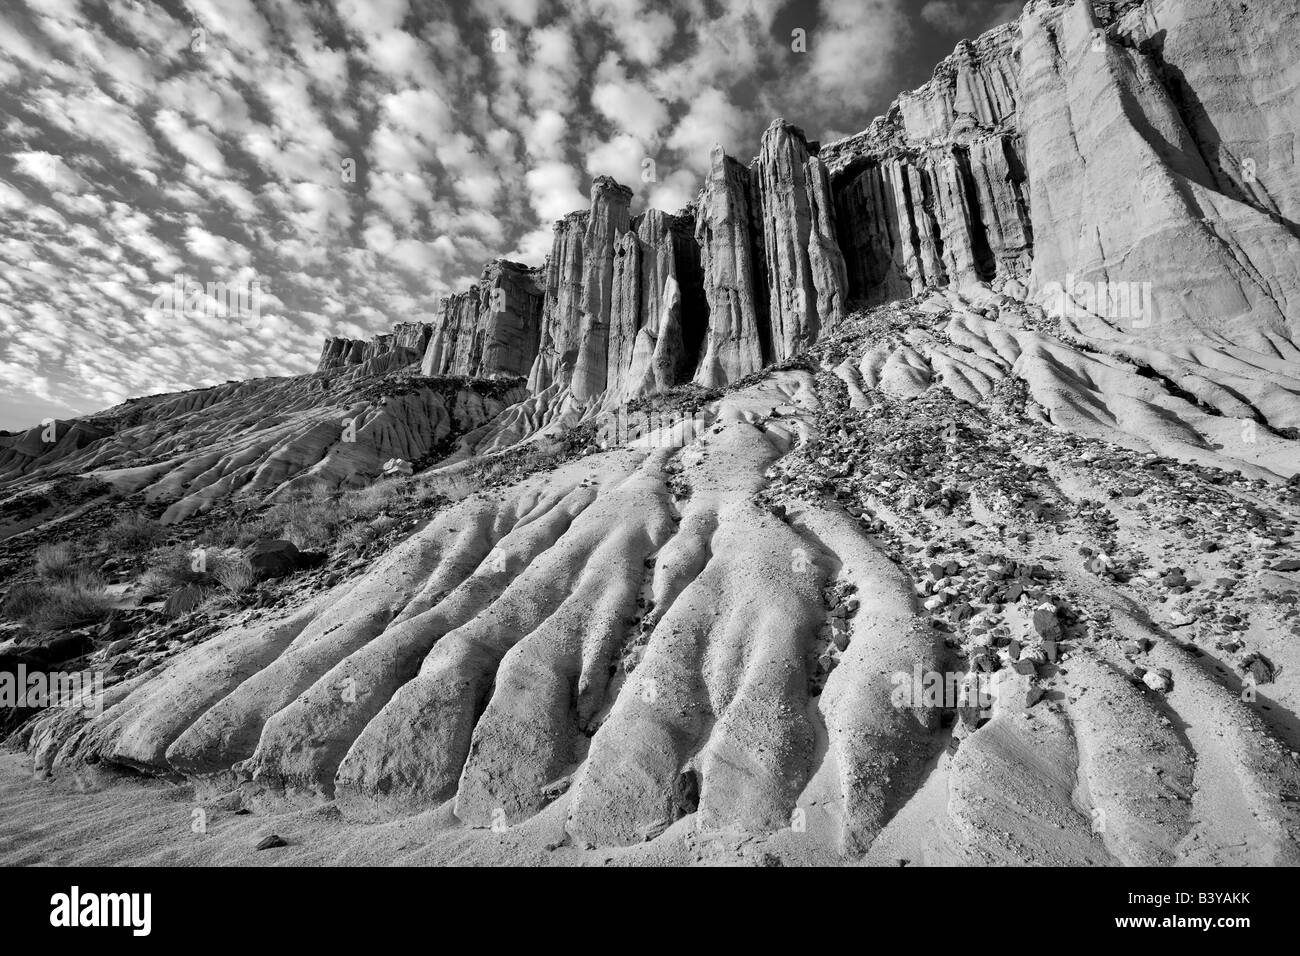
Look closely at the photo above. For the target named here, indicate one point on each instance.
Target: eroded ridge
(711, 630)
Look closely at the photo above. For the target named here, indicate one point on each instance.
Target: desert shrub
(232, 571)
(185, 599)
(57, 562)
(23, 599)
(374, 499)
(238, 531)
(427, 497)
(355, 538)
(132, 534)
(174, 567)
(308, 523)
(75, 601)
(190, 576)
(382, 525)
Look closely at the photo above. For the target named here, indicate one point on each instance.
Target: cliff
(1084, 145)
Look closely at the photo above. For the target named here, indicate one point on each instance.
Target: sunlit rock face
(491, 330)
(729, 229)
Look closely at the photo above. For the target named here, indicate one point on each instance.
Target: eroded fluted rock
(978, 85)
(492, 329)
(1122, 194)
(805, 269)
(935, 192)
(1002, 191)
(609, 219)
(658, 313)
(728, 227)
(406, 339)
(456, 345)
(338, 351)
(511, 310)
(561, 312)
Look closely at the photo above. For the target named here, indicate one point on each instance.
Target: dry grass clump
(232, 571)
(310, 523)
(174, 567)
(65, 594)
(57, 562)
(190, 576)
(74, 598)
(237, 531)
(366, 503)
(132, 534)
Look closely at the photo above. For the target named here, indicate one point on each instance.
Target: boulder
(274, 559)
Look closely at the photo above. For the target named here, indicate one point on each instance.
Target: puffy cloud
(553, 190)
(673, 191)
(853, 49)
(98, 117)
(623, 157)
(712, 118)
(222, 251)
(631, 106)
(195, 143)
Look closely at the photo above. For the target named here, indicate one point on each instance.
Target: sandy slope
(685, 651)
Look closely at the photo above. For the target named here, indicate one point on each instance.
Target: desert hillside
(927, 497)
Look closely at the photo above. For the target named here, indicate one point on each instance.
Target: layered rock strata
(492, 329)
(406, 337)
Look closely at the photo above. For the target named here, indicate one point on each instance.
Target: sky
(195, 191)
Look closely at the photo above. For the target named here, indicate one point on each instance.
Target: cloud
(631, 106)
(970, 17)
(853, 49)
(712, 118)
(553, 190)
(195, 143)
(623, 157)
(219, 250)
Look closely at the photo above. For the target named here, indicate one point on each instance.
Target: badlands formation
(928, 496)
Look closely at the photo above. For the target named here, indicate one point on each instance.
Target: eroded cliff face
(1140, 147)
(562, 291)
(657, 311)
(935, 192)
(609, 219)
(1132, 184)
(805, 269)
(406, 340)
(491, 330)
(728, 228)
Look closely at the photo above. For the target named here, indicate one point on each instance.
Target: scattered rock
(274, 559)
(1159, 680)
